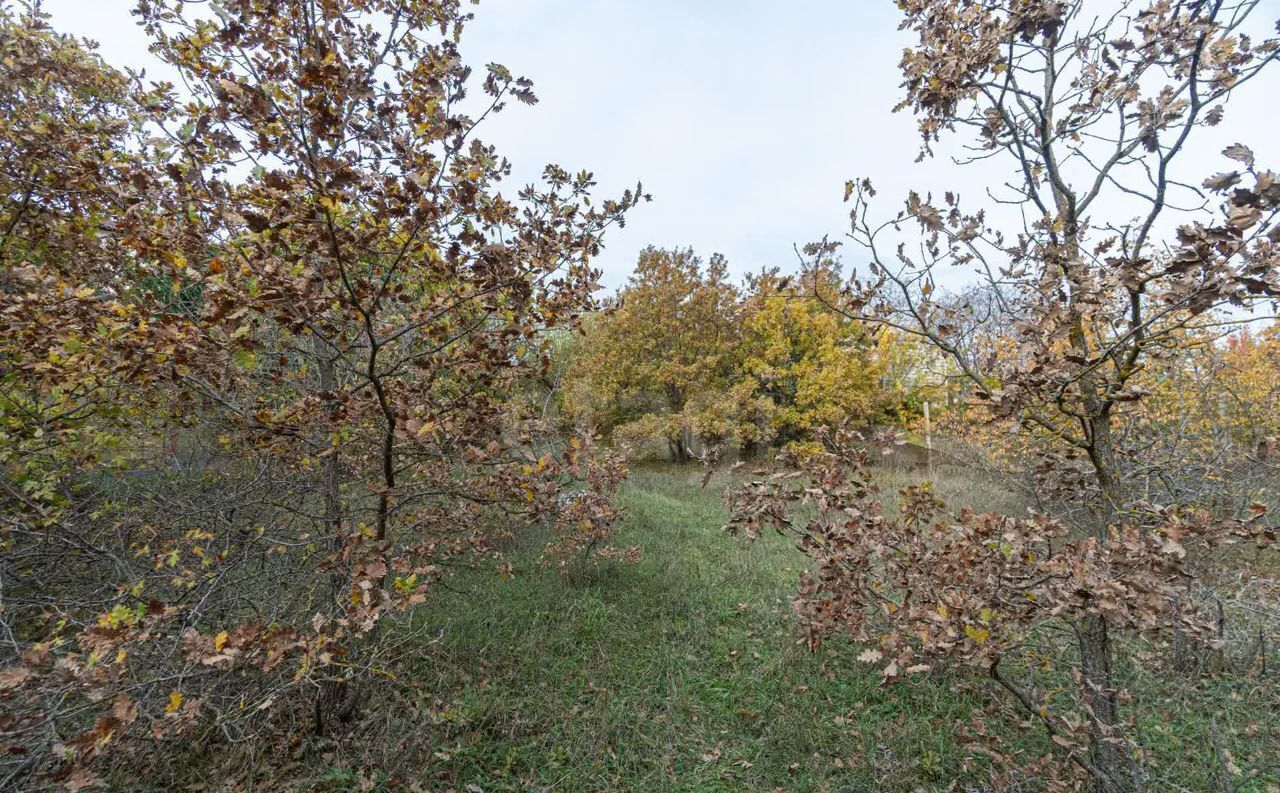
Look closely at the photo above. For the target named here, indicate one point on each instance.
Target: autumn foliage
(281, 349)
(685, 359)
(260, 337)
(921, 586)
(1083, 319)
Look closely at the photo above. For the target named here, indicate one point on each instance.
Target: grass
(682, 673)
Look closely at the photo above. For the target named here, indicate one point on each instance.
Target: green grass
(680, 672)
(683, 673)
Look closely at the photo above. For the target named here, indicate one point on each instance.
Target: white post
(928, 439)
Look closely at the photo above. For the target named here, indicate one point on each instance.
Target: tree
(85, 345)
(1206, 420)
(667, 340)
(684, 355)
(314, 252)
(925, 588)
(1250, 376)
(1094, 111)
(74, 323)
(812, 366)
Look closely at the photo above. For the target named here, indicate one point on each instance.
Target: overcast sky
(743, 118)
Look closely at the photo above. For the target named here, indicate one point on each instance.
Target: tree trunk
(681, 446)
(331, 475)
(336, 698)
(1102, 457)
(336, 703)
(679, 451)
(1106, 751)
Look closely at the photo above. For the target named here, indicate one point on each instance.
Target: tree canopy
(685, 357)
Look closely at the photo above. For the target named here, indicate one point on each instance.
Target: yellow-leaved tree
(648, 362)
(803, 366)
(685, 360)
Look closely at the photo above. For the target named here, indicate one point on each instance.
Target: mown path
(680, 672)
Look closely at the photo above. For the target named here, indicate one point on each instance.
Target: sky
(743, 118)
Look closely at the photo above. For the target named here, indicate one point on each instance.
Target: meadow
(327, 431)
(684, 672)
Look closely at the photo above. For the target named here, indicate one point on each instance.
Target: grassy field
(682, 673)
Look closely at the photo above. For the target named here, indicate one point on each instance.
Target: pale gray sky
(743, 118)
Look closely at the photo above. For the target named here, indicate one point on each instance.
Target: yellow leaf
(175, 702)
(220, 641)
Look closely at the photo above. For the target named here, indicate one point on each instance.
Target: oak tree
(1094, 108)
(308, 263)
